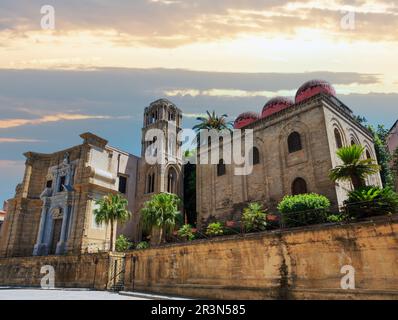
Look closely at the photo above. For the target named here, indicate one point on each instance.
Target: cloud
(169, 23)
(11, 123)
(17, 140)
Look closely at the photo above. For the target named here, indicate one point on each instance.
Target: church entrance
(56, 235)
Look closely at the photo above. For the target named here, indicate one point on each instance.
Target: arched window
(368, 156)
(256, 156)
(353, 142)
(221, 168)
(299, 186)
(337, 136)
(171, 181)
(150, 186)
(294, 142)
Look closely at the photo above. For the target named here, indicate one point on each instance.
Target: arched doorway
(299, 186)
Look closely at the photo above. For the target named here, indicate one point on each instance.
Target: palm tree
(213, 121)
(112, 208)
(161, 212)
(353, 168)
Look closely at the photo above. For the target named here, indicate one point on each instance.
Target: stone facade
(52, 211)
(317, 121)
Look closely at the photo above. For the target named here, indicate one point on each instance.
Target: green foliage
(123, 243)
(186, 233)
(215, 229)
(213, 121)
(371, 201)
(254, 217)
(304, 209)
(161, 211)
(382, 153)
(112, 208)
(336, 218)
(142, 245)
(354, 168)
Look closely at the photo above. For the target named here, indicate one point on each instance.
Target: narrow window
(61, 184)
(49, 183)
(368, 156)
(294, 142)
(299, 186)
(122, 184)
(221, 168)
(337, 136)
(256, 156)
(153, 183)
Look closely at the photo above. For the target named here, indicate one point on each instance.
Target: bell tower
(163, 118)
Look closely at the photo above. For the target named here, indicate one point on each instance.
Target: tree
(383, 156)
(112, 208)
(213, 121)
(161, 212)
(354, 168)
(123, 243)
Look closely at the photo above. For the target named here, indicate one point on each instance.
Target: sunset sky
(106, 60)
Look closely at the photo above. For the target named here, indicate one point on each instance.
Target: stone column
(37, 249)
(61, 244)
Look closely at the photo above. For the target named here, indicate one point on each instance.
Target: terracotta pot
(272, 217)
(230, 224)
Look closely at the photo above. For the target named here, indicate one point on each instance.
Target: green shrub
(142, 245)
(336, 218)
(304, 209)
(254, 217)
(371, 201)
(186, 233)
(123, 244)
(215, 229)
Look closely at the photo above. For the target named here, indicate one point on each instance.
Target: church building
(295, 144)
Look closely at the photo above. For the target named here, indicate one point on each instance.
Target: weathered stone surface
(74, 271)
(296, 264)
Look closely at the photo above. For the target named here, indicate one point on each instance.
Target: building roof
(395, 125)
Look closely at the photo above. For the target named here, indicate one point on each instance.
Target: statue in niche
(66, 158)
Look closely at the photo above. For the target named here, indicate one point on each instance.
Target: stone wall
(294, 264)
(74, 271)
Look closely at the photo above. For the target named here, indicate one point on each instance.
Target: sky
(102, 62)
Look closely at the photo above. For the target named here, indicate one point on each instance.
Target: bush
(304, 209)
(254, 217)
(336, 218)
(123, 244)
(371, 201)
(142, 245)
(215, 229)
(186, 233)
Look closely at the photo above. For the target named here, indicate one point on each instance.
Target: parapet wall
(296, 264)
(74, 271)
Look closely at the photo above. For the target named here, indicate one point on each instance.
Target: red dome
(244, 119)
(276, 104)
(312, 88)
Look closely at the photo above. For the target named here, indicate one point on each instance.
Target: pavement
(64, 294)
